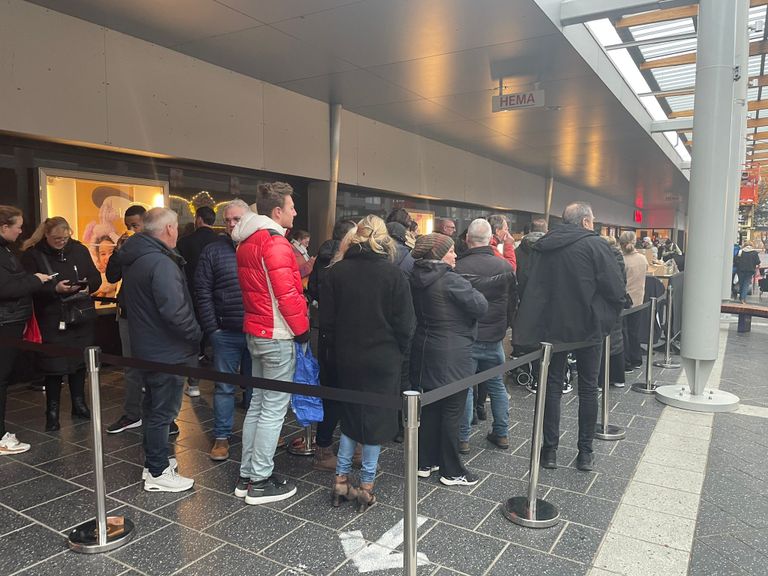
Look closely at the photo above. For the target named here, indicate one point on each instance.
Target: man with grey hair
(445, 226)
(162, 329)
(502, 241)
(574, 294)
(495, 279)
(219, 304)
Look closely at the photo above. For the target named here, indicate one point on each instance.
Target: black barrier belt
(635, 309)
(325, 392)
(454, 387)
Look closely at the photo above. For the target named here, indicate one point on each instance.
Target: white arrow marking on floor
(380, 555)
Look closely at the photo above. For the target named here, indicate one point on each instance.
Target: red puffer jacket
(273, 298)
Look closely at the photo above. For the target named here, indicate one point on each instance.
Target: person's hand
(42, 277)
(302, 338)
(64, 287)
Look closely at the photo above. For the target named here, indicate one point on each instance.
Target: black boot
(52, 394)
(77, 392)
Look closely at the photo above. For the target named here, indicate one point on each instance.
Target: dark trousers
(616, 373)
(633, 354)
(7, 358)
(588, 361)
(439, 435)
(331, 408)
(162, 401)
(76, 383)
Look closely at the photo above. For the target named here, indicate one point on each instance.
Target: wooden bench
(745, 313)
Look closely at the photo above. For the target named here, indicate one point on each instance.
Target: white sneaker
(192, 391)
(10, 445)
(171, 462)
(168, 481)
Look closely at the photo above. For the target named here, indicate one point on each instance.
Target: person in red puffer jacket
(275, 317)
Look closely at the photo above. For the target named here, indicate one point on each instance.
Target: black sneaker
(585, 461)
(241, 490)
(173, 429)
(273, 489)
(124, 423)
(548, 459)
(426, 471)
(467, 479)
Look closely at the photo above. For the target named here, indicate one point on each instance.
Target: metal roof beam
(670, 14)
(580, 11)
(670, 93)
(677, 125)
(651, 41)
(755, 49)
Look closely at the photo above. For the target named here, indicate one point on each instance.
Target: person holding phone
(51, 250)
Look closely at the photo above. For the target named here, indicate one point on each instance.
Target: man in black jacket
(190, 247)
(493, 278)
(162, 329)
(219, 305)
(574, 294)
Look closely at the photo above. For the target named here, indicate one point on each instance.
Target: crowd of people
(397, 311)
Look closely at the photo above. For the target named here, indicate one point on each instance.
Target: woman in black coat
(616, 374)
(16, 289)
(52, 250)
(367, 318)
(447, 310)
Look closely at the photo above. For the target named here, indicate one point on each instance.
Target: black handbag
(76, 308)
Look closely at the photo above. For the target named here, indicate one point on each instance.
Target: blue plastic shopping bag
(308, 409)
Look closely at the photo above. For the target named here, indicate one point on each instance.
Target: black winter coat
(447, 310)
(48, 306)
(746, 261)
(617, 332)
(190, 247)
(494, 278)
(16, 288)
(218, 297)
(403, 258)
(575, 290)
(326, 253)
(162, 322)
(367, 318)
(523, 257)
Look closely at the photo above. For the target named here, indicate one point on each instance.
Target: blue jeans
(162, 401)
(230, 355)
(745, 281)
(276, 360)
(370, 459)
(487, 355)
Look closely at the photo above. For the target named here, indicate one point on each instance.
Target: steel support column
(548, 198)
(333, 185)
(709, 179)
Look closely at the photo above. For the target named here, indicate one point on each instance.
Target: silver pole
(91, 537)
(667, 362)
(411, 421)
(530, 511)
(648, 387)
(605, 431)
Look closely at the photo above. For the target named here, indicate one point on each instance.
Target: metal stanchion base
(85, 538)
(710, 401)
(670, 364)
(643, 388)
(516, 511)
(301, 449)
(609, 432)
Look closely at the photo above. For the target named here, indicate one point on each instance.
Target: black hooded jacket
(523, 256)
(325, 254)
(575, 289)
(162, 321)
(16, 288)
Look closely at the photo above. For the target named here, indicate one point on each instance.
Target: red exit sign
(637, 216)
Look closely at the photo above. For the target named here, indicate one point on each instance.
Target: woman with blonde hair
(51, 250)
(368, 321)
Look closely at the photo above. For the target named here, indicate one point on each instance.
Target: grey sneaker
(172, 463)
(273, 489)
(241, 490)
(168, 481)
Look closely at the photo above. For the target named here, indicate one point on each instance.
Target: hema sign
(533, 99)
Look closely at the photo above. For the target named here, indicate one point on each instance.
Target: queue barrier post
(667, 362)
(307, 445)
(411, 423)
(606, 431)
(530, 511)
(102, 533)
(648, 387)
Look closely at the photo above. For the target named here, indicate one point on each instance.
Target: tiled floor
(205, 531)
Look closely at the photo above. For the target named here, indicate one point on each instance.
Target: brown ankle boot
(365, 497)
(342, 490)
(324, 459)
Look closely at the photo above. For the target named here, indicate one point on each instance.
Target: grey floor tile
(12, 472)
(193, 462)
(165, 551)
(498, 526)
(117, 476)
(594, 512)
(460, 549)
(74, 465)
(36, 491)
(567, 478)
(144, 523)
(706, 561)
(578, 543)
(74, 564)
(350, 568)
(615, 466)
(48, 451)
(628, 450)
(316, 507)
(201, 509)
(231, 561)
(506, 465)
(519, 561)
(136, 496)
(27, 546)
(221, 478)
(68, 511)
(496, 488)
(458, 509)
(745, 557)
(114, 442)
(293, 466)
(240, 527)
(379, 519)
(302, 489)
(313, 549)
(609, 487)
(10, 521)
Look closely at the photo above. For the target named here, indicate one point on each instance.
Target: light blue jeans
(370, 459)
(487, 355)
(276, 360)
(231, 356)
